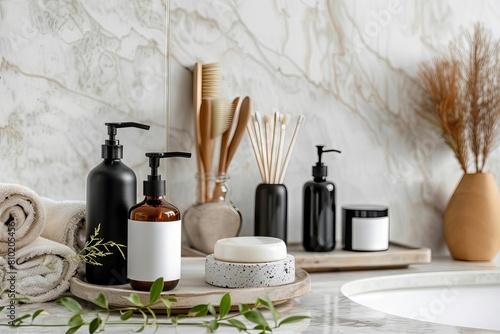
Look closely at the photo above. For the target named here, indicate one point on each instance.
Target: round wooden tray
(193, 290)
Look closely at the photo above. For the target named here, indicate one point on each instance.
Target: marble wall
(66, 67)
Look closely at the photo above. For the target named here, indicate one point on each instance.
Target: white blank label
(370, 234)
(154, 250)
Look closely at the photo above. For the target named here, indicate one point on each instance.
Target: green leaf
(156, 326)
(73, 329)
(18, 321)
(256, 317)
(140, 329)
(175, 320)
(169, 301)
(263, 329)
(145, 317)
(75, 320)
(225, 305)
(168, 304)
(155, 291)
(238, 324)
(134, 299)
(212, 311)
(37, 313)
(293, 318)
(213, 325)
(94, 325)
(1, 308)
(153, 314)
(198, 311)
(70, 304)
(101, 301)
(127, 315)
(243, 308)
(269, 305)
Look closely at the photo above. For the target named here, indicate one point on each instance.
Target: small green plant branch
(96, 248)
(98, 320)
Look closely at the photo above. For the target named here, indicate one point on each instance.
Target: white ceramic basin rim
(458, 298)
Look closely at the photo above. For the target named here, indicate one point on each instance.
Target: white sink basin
(459, 298)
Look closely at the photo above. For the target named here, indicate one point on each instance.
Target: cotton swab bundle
(267, 136)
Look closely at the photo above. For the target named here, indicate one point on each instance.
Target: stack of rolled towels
(39, 242)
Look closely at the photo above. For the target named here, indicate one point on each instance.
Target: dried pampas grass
(460, 91)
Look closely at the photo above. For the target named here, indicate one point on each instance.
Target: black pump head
(320, 170)
(155, 186)
(112, 148)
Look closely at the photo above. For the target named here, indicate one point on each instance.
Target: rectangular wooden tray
(397, 256)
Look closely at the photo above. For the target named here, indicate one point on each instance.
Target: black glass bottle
(111, 191)
(319, 215)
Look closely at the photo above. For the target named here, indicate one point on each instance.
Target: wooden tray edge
(301, 286)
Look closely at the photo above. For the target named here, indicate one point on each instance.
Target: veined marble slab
(349, 67)
(67, 67)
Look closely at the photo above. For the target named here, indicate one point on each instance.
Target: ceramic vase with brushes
(214, 216)
(267, 136)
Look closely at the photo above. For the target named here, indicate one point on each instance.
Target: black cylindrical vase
(271, 211)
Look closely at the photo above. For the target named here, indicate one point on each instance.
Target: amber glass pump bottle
(154, 233)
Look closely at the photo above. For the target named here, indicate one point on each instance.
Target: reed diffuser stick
(262, 140)
(267, 125)
(279, 166)
(253, 141)
(257, 136)
(272, 165)
(300, 120)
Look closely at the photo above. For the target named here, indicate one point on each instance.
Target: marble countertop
(329, 310)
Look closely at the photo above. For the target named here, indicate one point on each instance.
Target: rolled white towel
(20, 211)
(65, 222)
(42, 271)
(3, 273)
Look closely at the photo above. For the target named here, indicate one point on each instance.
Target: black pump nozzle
(320, 170)
(112, 148)
(155, 186)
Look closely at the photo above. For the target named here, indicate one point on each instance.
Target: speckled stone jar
(249, 275)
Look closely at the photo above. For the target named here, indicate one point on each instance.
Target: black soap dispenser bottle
(319, 209)
(154, 233)
(111, 191)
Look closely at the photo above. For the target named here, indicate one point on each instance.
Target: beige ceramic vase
(472, 219)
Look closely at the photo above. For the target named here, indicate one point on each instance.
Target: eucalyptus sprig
(98, 320)
(95, 248)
